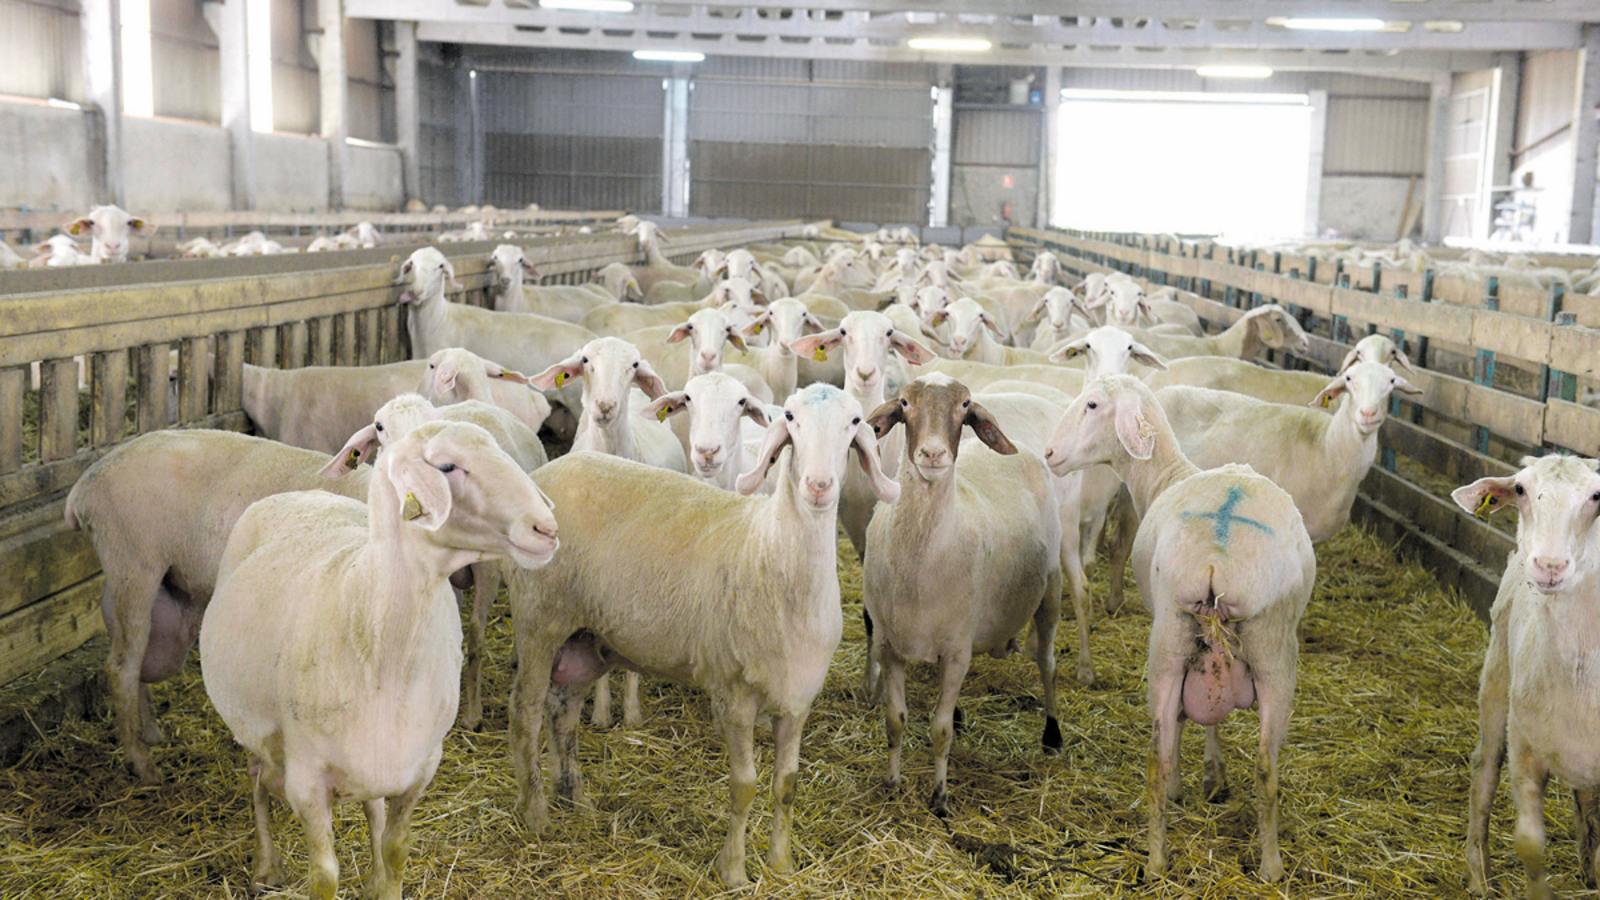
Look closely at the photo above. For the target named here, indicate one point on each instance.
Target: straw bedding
(1374, 781)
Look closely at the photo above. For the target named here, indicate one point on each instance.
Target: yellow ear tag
(1482, 511)
(758, 328)
(561, 378)
(821, 355)
(353, 461)
(412, 509)
(1326, 400)
(661, 414)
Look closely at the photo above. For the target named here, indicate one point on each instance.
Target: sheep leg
(1045, 620)
(785, 785)
(1214, 784)
(1587, 806)
(1161, 775)
(601, 717)
(872, 673)
(268, 871)
(147, 718)
(894, 708)
(308, 797)
(632, 710)
(1488, 756)
(1121, 550)
(1275, 695)
(397, 839)
(126, 604)
(952, 672)
(485, 587)
(565, 703)
(529, 688)
(1078, 584)
(736, 716)
(1528, 780)
(379, 880)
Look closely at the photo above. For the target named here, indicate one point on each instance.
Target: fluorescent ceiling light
(1301, 24)
(258, 63)
(1233, 72)
(959, 45)
(601, 6)
(670, 55)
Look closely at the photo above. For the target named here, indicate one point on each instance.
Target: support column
(1433, 174)
(675, 144)
(228, 21)
(405, 107)
(335, 90)
(1581, 226)
(943, 124)
(1507, 88)
(1314, 168)
(464, 126)
(101, 27)
(475, 113)
(1048, 147)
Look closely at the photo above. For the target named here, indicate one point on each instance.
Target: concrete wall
(291, 173)
(1364, 207)
(174, 165)
(373, 179)
(978, 195)
(46, 152)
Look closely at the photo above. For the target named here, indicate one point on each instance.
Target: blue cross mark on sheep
(1224, 518)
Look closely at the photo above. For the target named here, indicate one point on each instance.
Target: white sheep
(332, 646)
(510, 267)
(657, 267)
(111, 230)
(203, 248)
(1537, 701)
(1225, 567)
(1260, 328)
(786, 320)
(866, 341)
(58, 251)
(1060, 315)
(1108, 351)
(618, 281)
(365, 234)
(158, 510)
(743, 601)
(721, 414)
(965, 560)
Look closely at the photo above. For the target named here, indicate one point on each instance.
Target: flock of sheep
(726, 419)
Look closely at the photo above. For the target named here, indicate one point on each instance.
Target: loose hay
(1374, 783)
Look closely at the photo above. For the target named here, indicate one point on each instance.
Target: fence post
(1483, 372)
(1555, 383)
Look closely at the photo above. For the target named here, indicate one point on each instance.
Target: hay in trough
(1374, 781)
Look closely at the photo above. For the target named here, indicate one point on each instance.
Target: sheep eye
(378, 425)
(636, 365)
(1520, 491)
(966, 403)
(741, 401)
(1093, 405)
(856, 421)
(447, 468)
(1594, 497)
(584, 361)
(841, 332)
(788, 415)
(904, 404)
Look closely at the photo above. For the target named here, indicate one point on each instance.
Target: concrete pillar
(405, 107)
(675, 145)
(464, 135)
(943, 125)
(1433, 174)
(100, 22)
(1048, 147)
(229, 23)
(1503, 122)
(1581, 226)
(475, 114)
(331, 77)
(1314, 168)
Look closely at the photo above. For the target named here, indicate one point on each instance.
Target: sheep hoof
(1214, 784)
(1085, 674)
(1272, 870)
(940, 802)
(145, 770)
(153, 734)
(1052, 735)
(731, 872)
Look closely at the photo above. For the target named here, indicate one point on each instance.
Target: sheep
(1046, 268)
(111, 229)
(1063, 316)
(1164, 308)
(707, 331)
(622, 318)
(657, 267)
(332, 648)
(611, 423)
(978, 376)
(1125, 303)
(1225, 566)
(1273, 385)
(966, 558)
(158, 510)
(399, 417)
(743, 601)
(58, 251)
(455, 375)
(618, 281)
(1108, 351)
(788, 320)
(867, 339)
(523, 341)
(317, 407)
(1536, 698)
(1260, 328)
(566, 302)
(365, 234)
(201, 248)
(671, 360)
(720, 409)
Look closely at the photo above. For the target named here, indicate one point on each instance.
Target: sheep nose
(866, 375)
(548, 530)
(606, 407)
(707, 453)
(818, 487)
(1551, 565)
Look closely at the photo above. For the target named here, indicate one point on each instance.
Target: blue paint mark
(1224, 517)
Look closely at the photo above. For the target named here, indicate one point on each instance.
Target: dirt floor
(1374, 784)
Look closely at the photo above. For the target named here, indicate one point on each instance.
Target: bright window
(138, 75)
(1231, 164)
(258, 61)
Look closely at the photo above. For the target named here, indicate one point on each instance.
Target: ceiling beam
(1410, 65)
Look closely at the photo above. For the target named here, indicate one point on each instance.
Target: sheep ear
(886, 416)
(1486, 496)
(556, 376)
(444, 377)
(866, 448)
(735, 339)
(1070, 350)
(810, 324)
(756, 412)
(1143, 309)
(909, 350)
(1404, 386)
(989, 323)
(680, 333)
(1037, 311)
(646, 379)
(1328, 394)
(79, 226)
(758, 323)
(816, 346)
(988, 430)
(1397, 357)
(360, 447)
(667, 405)
(777, 439)
(145, 227)
(450, 282)
(1135, 432)
(529, 269)
(1350, 359)
(1145, 356)
(495, 370)
(423, 491)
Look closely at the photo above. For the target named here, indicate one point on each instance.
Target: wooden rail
(165, 346)
(42, 223)
(1467, 423)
